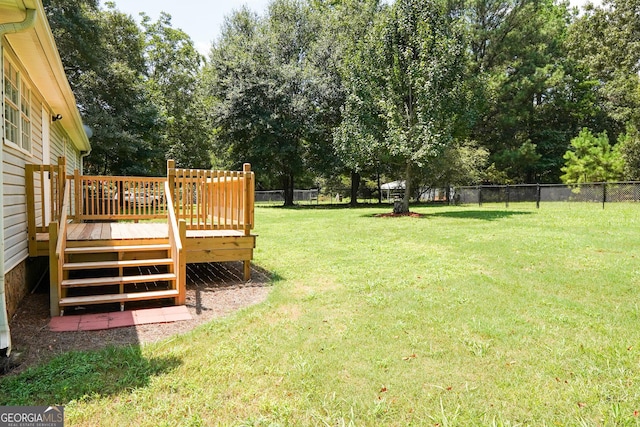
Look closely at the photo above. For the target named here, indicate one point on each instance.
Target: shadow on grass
(341, 206)
(488, 215)
(485, 215)
(81, 375)
(479, 214)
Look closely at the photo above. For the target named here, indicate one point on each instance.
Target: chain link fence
(329, 196)
(277, 196)
(598, 192)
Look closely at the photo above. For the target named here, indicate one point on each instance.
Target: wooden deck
(202, 245)
(115, 239)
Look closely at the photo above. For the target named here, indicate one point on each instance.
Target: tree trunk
(355, 186)
(288, 189)
(379, 188)
(407, 190)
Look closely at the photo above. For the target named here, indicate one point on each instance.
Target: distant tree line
(435, 92)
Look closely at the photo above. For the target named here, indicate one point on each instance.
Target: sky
(202, 19)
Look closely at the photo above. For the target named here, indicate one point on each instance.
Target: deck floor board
(116, 231)
(96, 231)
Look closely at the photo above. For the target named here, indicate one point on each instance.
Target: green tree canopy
(606, 42)
(592, 159)
(173, 72)
(267, 96)
(629, 143)
(103, 55)
(405, 90)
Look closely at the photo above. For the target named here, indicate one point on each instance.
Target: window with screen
(17, 109)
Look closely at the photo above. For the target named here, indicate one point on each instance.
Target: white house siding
(57, 143)
(72, 158)
(14, 160)
(14, 208)
(61, 146)
(14, 203)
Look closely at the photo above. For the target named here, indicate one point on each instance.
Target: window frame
(18, 108)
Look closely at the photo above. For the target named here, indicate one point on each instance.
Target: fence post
(479, 195)
(507, 196)
(604, 194)
(538, 197)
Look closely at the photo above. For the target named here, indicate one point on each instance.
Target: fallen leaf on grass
(413, 356)
(581, 404)
(383, 389)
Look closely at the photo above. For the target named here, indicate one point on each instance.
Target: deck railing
(177, 239)
(118, 197)
(45, 190)
(204, 199)
(57, 246)
(213, 200)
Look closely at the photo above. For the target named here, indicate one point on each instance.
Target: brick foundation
(20, 280)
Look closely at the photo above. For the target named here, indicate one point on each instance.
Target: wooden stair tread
(116, 264)
(123, 248)
(104, 281)
(131, 296)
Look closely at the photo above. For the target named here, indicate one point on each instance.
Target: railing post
(62, 178)
(171, 178)
(54, 284)
(247, 205)
(31, 210)
(77, 184)
(171, 173)
(182, 264)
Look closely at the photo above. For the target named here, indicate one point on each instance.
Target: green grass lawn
(467, 316)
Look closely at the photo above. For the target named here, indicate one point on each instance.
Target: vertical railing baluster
(216, 189)
(211, 200)
(235, 217)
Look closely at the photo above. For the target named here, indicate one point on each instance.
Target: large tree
(103, 55)
(606, 41)
(531, 98)
(345, 27)
(265, 92)
(412, 78)
(629, 145)
(173, 68)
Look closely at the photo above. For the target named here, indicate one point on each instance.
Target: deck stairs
(117, 271)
